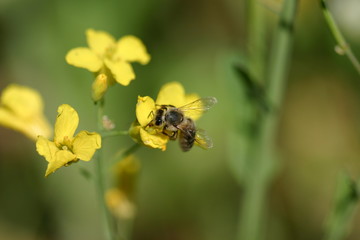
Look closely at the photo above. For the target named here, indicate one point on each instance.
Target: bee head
(158, 121)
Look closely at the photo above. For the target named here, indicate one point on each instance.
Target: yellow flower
(118, 203)
(120, 199)
(107, 56)
(66, 149)
(171, 93)
(21, 109)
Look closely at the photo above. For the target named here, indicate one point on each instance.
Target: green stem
(256, 40)
(339, 38)
(109, 231)
(263, 154)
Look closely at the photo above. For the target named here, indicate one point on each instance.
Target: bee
(177, 123)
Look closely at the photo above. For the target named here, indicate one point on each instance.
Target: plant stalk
(107, 219)
(256, 40)
(263, 155)
(339, 38)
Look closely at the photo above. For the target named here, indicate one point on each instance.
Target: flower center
(109, 52)
(66, 144)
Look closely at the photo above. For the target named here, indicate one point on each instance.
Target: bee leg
(173, 134)
(151, 114)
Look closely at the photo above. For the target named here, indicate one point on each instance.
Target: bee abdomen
(187, 139)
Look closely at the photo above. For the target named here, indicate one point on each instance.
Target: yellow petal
(131, 49)
(38, 126)
(62, 158)
(154, 140)
(46, 148)
(85, 145)
(24, 102)
(100, 42)
(84, 58)
(189, 98)
(119, 204)
(31, 127)
(145, 110)
(122, 71)
(171, 93)
(66, 123)
(22, 110)
(99, 87)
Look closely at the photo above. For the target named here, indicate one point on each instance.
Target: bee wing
(202, 139)
(198, 106)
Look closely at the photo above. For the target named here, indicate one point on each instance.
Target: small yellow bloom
(118, 203)
(172, 93)
(66, 149)
(21, 109)
(110, 57)
(120, 199)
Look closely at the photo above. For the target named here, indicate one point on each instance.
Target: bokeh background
(180, 195)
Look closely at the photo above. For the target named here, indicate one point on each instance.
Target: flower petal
(62, 158)
(99, 41)
(84, 58)
(122, 71)
(31, 127)
(66, 123)
(46, 148)
(153, 140)
(189, 98)
(119, 204)
(85, 144)
(24, 102)
(145, 110)
(22, 110)
(171, 93)
(131, 49)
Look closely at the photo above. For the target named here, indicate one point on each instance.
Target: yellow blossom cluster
(21, 108)
(108, 59)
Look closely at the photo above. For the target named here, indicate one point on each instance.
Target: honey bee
(177, 123)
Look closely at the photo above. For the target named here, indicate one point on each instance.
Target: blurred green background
(180, 195)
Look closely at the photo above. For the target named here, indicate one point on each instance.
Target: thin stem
(100, 114)
(339, 38)
(263, 155)
(100, 179)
